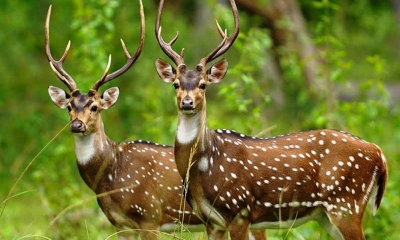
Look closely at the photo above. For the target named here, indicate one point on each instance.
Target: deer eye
(176, 86)
(202, 86)
(93, 109)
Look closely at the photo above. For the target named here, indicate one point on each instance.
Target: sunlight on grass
(4, 203)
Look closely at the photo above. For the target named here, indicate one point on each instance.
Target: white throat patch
(187, 130)
(84, 148)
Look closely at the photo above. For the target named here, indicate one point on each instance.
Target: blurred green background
(297, 65)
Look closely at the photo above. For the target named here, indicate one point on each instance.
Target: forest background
(297, 65)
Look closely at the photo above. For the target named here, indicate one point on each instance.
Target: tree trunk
(294, 38)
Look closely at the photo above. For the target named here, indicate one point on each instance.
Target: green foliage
(93, 25)
(242, 93)
(372, 99)
(245, 96)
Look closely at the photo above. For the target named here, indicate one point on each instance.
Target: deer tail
(380, 187)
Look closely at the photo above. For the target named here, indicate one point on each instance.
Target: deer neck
(89, 147)
(189, 127)
(191, 140)
(94, 153)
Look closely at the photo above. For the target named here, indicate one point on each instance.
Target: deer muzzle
(187, 105)
(77, 126)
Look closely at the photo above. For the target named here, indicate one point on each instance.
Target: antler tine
(167, 47)
(105, 74)
(226, 42)
(211, 56)
(129, 60)
(221, 32)
(57, 65)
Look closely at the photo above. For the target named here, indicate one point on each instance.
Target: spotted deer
(234, 181)
(137, 184)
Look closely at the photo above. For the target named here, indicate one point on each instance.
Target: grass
(28, 216)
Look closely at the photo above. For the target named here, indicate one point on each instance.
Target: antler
(130, 60)
(218, 51)
(167, 47)
(57, 65)
(226, 42)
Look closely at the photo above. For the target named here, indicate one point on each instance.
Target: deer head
(84, 108)
(190, 85)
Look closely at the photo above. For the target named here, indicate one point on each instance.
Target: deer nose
(77, 126)
(187, 103)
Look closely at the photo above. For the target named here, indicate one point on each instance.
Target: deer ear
(59, 96)
(217, 71)
(165, 71)
(109, 97)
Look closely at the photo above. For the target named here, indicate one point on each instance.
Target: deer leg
(342, 227)
(350, 227)
(124, 234)
(133, 234)
(239, 229)
(149, 230)
(258, 235)
(149, 234)
(216, 233)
